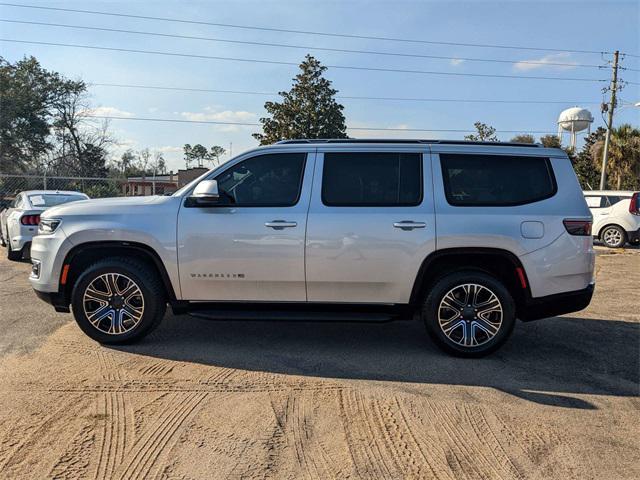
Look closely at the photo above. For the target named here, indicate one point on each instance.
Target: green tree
(484, 133)
(588, 171)
(199, 154)
(550, 141)
(308, 110)
(623, 164)
(215, 153)
(523, 138)
(29, 97)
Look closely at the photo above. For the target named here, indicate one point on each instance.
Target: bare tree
(81, 142)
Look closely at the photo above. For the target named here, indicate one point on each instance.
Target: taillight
(634, 205)
(30, 219)
(578, 227)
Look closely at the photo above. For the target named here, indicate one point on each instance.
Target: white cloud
(213, 114)
(152, 109)
(547, 62)
(169, 149)
(109, 112)
(456, 61)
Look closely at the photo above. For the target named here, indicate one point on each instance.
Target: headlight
(48, 225)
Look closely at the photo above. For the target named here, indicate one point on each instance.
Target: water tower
(574, 120)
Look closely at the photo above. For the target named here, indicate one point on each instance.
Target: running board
(298, 316)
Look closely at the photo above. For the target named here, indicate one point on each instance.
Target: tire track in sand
(369, 457)
(141, 461)
(118, 422)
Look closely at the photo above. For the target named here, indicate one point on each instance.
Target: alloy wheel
(470, 315)
(612, 237)
(113, 303)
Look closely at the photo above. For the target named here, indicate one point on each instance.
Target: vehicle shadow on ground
(563, 354)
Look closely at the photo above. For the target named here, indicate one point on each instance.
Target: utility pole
(612, 106)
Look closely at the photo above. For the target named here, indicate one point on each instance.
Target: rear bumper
(633, 237)
(558, 304)
(54, 298)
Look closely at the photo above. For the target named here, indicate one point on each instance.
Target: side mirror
(205, 193)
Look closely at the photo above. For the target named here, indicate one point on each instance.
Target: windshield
(53, 199)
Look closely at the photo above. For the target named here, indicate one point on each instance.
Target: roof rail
(409, 141)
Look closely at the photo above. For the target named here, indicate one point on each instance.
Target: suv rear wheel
(614, 236)
(118, 300)
(469, 313)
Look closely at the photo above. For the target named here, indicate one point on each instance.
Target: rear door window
(384, 179)
(496, 180)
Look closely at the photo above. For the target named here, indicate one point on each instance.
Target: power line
(304, 47)
(248, 124)
(303, 32)
(347, 97)
(277, 62)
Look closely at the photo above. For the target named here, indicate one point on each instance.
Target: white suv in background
(616, 216)
(466, 236)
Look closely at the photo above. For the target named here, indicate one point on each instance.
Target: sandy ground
(201, 399)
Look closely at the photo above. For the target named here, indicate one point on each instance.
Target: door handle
(409, 225)
(280, 224)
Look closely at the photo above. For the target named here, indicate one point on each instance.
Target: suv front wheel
(118, 300)
(469, 313)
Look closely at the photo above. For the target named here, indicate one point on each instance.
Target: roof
(403, 141)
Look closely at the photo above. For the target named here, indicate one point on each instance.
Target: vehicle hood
(107, 206)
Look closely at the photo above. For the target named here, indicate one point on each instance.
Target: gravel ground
(201, 399)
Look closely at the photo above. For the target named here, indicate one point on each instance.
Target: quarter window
(372, 179)
(272, 180)
(496, 180)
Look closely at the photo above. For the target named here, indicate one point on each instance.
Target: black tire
(13, 255)
(2, 241)
(453, 283)
(152, 292)
(613, 236)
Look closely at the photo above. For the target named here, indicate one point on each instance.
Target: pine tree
(308, 110)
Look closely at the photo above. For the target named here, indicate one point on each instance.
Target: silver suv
(467, 236)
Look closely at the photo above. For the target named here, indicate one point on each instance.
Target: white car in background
(19, 222)
(616, 216)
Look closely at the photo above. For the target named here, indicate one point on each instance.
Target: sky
(563, 25)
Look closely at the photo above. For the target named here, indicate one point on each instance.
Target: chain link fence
(12, 184)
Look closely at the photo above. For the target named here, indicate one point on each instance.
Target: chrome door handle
(409, 225)
(280, 224)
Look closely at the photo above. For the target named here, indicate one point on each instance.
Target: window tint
(496, 180)
(372, 179)
(596, 202)
(613, 199)
(272, 180)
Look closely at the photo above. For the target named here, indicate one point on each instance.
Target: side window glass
(613, 199)
(271, 180)
(361, 179)
(496, 180)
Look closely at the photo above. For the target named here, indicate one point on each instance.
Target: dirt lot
(203, 399)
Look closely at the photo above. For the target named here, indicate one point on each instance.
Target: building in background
(160, 184)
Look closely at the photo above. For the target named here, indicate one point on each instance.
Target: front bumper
(558, 304)
(49, 251)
